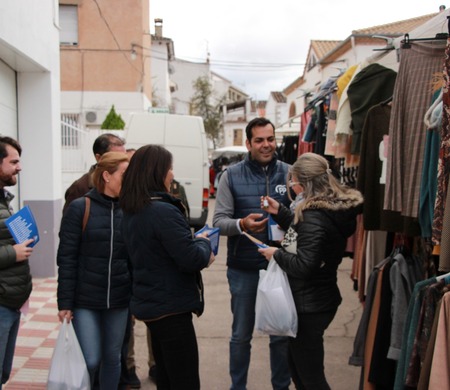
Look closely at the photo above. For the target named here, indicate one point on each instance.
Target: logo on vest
(280, 189)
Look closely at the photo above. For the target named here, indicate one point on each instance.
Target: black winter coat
(15, 276)
(93, 264)
(166, 260)
(318, 244)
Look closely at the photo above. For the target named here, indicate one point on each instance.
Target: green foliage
(113, 121)
(202, 105)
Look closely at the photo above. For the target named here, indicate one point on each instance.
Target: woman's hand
(268, 252)
(270, 205)
(68, 314)
(203, 235)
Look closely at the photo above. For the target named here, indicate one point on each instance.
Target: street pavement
(214, 326)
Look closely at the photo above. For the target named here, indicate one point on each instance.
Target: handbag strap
(87, 208)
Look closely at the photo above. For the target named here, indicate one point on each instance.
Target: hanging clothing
(432, 295)
(412, 318)
(439, 374)
(370, 172)
(424, 379)
(411, 98)
(289, 149)
(428, 185)
(372, 85)
(330, 143)
(444, 153)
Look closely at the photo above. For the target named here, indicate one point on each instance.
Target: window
(237, 137)
(68, 21)
(292, 110)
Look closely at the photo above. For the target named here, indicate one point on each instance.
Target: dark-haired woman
(167, 260)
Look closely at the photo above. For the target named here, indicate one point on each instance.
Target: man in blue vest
(238, 210)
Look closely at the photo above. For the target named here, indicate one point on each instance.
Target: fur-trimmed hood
(340, 211)
(351, 199)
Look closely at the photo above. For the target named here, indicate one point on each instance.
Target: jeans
(243, 285)
(175, 350)
(306, 351)
(101, 334)
(9, 327)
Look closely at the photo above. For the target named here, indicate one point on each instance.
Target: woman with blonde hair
(312, 249)
(94, 282)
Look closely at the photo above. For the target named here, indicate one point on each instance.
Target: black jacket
(166, 260)
(93, 265)
(320, 240)
(15, 276)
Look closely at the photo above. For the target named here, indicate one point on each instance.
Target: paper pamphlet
(22, 226)
(213, 235)
(257, 242)
(275, 232)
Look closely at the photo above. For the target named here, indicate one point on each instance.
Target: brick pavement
(36, 340)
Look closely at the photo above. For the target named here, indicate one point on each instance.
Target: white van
(184, 136)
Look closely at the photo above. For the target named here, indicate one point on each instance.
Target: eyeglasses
(293, 183)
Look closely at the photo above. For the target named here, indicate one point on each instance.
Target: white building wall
(29, 45)
(185, 73)
(160, 75)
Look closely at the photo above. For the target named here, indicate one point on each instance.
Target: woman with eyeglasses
(312, 249)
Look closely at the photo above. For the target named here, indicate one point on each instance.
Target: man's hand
(251, 223)
(23, 251)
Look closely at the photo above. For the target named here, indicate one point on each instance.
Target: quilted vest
(248, 181)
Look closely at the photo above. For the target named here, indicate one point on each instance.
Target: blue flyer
(22, 226)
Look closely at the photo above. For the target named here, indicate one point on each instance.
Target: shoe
(132, 379)
(152, 373)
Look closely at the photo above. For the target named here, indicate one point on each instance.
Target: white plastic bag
(68, 369)
(275, 308)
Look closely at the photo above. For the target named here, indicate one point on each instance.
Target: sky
(261, 46)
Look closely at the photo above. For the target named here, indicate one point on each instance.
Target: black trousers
(306, 351)
(176, 352)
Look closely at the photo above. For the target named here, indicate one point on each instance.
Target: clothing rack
(406, 41)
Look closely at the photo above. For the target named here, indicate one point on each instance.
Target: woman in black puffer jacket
(312, 249)
(167, 261)
(94, 280)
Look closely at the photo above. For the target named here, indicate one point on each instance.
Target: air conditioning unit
(91, 117)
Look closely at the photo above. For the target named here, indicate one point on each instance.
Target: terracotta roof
(395, 28)
(364, 36)
(278, 97)
(321, 48)
(295, 84)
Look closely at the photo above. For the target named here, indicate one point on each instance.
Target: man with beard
(15, 276)
(238, 210)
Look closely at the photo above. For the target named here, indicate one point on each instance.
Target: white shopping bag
(275, 312)
(68, 369)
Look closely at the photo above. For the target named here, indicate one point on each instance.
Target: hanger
(446, 277)
(387, 101)
(406, 41)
